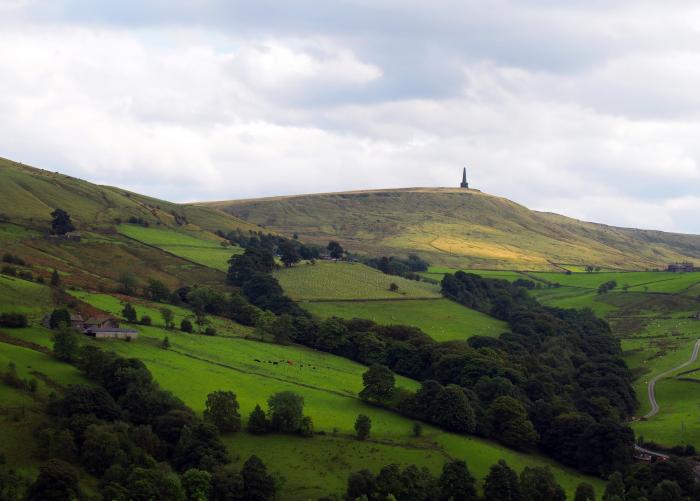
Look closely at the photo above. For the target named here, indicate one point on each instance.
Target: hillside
(465, 228)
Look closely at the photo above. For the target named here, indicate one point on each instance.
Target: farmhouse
(680, 267)
(111, 333)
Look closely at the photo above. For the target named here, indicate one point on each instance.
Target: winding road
(652, 383)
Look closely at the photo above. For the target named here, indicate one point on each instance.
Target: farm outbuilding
(111, 333)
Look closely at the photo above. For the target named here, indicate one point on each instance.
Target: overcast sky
(586, 108)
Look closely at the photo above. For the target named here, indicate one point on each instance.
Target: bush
(9, 270)
(13, 320)
(210, 331)
(185, 325)
(363, 425)
(146, 320)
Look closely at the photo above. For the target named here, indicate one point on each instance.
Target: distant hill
(465, 228)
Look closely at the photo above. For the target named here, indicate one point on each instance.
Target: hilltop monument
(464, 183)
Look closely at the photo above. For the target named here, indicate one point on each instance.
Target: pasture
(197, 246)
(441, 319)
(328, 280)
(23, 296)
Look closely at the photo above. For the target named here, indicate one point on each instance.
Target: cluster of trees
(558, 373)
(285, 415)
(140, 441)
(290, 251)
(392, 265)
(604, 288)
(13, 320)
(138, 220)
(456, 483)
(13, 259)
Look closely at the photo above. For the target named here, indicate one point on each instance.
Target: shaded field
(200, 247)
(441, 319)
(327, 281)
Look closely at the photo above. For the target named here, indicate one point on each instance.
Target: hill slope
(461, 227)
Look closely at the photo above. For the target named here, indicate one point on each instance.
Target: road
(652, 383)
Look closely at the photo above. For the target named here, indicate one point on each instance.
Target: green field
(200, 247)
(436, 273)
(327, 281)
(441, 319)
(23, 296)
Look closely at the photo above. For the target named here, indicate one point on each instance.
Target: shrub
(146, 320)
(210, 331)
(363, 425)
(186, 325)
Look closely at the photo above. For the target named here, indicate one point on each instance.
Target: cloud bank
(584, 108)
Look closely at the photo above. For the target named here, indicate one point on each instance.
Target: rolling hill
(459, 227)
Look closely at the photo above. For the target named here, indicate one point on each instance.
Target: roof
(111, 329)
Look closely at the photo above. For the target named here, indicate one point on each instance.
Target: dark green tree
(282, 329)
(257, 421)
(615, 488)
(222, 411)
(258, 485)
(129, 313)
(456, 482)
(157, 291)
(335, 250)
(168, 318)
(289, 253)
(361, 483)
(452, 410)
(57, 481)
(59, 316)
(61, 223)
(65, 343)
(584, 492)
(511, 426)
(538, 483)
(185, 325)
(378, 384)
(166, 343)
(286, 411)
(667, 490)
(55, 279)
(127, 283)
(501, 483)
(306, 428)
(363, 425)
(196, 484)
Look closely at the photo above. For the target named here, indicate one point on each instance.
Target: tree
(335, 250)
(456, 482)
(538, 483)
(378, 384)
(57, 481)
(156, 291)
(257, 484)
(127, 283)
(363, 425)
(168, 318)
(289, 253)
(129, 313)
(55, 279)
(146, 320)
(306, 428)
(253, 260)
(667, 490)
(196, 484)
(185, 325)
(65, 343)
(508, 419)
(58, 317)
(283, 329)
(286, 411)
(501, 484)
(222, 411)
(361, 485)
(257, 421)
(417, 430)
(264, 325)
(393, 287)
(584, 492)
(452, 410)
(61, 223)
(615, 488)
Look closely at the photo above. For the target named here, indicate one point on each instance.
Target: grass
(200, 247)
(441, 319)
(327, 281)
(436, 273)
(23, 296)
(460, 228)
(639, 281)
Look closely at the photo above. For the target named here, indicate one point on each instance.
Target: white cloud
(586, 110)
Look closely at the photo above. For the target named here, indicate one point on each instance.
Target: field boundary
(370, 300)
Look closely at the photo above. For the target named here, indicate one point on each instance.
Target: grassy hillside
(327, 281)
(196, 365)
(441, 319)
(464, 228)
